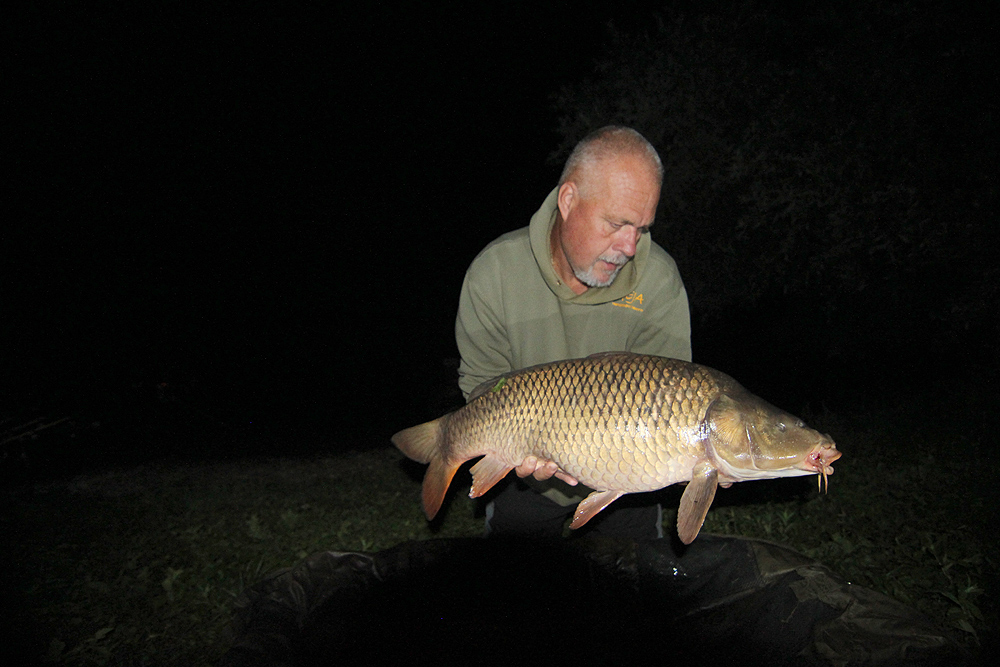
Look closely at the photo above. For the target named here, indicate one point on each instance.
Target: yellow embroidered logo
(633, 301)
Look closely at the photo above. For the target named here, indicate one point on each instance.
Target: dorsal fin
(598, 355)
(496, 384)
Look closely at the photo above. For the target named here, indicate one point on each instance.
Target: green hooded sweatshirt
(514, 310)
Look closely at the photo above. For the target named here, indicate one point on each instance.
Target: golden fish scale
(624, 423)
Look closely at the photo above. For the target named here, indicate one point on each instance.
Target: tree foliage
(838, 154)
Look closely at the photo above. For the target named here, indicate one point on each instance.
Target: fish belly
(604, 460)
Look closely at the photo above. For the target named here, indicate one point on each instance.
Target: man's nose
(626, 239)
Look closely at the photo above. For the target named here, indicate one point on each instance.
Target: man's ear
(567, 198)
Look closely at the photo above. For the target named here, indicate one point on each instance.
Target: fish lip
(820, 457)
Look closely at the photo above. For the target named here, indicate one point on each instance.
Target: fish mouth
(818, 460)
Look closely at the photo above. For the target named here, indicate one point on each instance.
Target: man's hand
(543, 469)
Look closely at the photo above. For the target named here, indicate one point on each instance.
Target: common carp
(619, 423)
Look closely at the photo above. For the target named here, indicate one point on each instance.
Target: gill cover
(750, 434)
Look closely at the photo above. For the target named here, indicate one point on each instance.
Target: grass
(140, 566)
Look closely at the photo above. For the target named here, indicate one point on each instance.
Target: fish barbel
(619, 423)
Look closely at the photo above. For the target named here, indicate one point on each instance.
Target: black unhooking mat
(483, 602)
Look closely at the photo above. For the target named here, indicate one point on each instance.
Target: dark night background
(238, 226)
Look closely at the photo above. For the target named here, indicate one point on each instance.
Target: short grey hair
(606, 142)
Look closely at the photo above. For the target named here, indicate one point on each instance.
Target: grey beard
(590, 280)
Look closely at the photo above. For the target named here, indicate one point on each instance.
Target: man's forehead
(631, 204)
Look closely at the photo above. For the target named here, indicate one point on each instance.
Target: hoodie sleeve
(479, 328)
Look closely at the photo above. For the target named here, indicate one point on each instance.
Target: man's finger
(566, 477)
(544, 470)
(528, 466)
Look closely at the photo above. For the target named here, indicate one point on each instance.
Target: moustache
(618, 259)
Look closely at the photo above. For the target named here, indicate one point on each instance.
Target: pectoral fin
(487, 472)
(696, 500)
(593, 504)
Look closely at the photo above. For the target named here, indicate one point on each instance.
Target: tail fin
(422, 443)
(436, 481)
(425, 443)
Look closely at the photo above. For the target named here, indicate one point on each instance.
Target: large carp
(619, 423)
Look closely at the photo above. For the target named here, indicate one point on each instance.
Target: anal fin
(696, 500)
(487, 472)
(593, 504)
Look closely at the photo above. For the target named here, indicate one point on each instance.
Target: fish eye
(800, 424)
(781, 426)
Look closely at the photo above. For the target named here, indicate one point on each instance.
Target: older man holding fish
(575, 342)
(583, 277)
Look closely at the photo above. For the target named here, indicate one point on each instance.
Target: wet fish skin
(619, 423)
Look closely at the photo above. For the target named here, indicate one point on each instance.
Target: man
(583, 277)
